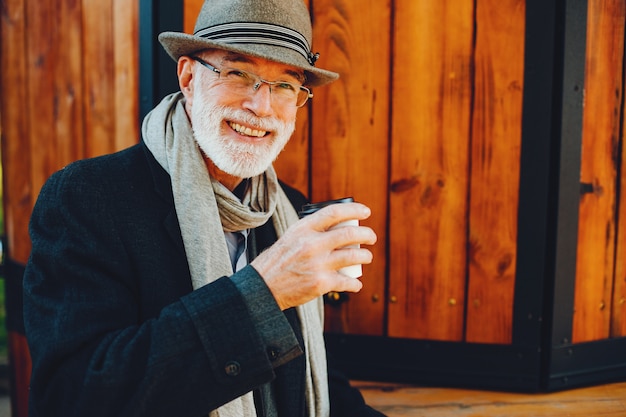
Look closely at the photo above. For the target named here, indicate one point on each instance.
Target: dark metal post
(157, 71)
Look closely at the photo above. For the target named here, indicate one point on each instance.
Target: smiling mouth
(242, 130)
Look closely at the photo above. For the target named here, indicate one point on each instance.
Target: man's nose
(260, 99)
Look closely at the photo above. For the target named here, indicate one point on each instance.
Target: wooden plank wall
(349, 153)
(69, 77)
(431, 127)
(495, 167)
(456, 139)
(70, 91)
(599, 308)
(424, 126)
(433, 121)
(432, 142)
(349, 136)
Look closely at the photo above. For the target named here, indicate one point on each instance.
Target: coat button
(232, 368)
(273, 353)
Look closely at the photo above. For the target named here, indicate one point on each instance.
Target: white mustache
(269, 124)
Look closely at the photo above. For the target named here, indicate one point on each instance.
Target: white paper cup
(353, 271)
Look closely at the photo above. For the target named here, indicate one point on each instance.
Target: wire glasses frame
(247, 83)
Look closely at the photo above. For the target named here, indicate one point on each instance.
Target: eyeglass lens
(285, 92)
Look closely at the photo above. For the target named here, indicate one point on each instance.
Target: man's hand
(303, 263)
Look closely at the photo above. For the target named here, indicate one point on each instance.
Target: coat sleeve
(95, 353)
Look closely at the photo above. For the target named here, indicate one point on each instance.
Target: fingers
(332, 215)
(346, 235)
(343, 283)
(343, 257)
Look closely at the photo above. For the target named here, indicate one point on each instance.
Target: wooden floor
(396, 400)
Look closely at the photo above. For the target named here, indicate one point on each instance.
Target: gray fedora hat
(277, 30)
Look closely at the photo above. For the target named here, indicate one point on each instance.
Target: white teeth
(247, 131)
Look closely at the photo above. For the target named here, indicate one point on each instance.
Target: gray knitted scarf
(205, 209)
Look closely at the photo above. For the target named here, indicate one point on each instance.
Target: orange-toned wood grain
(99, 77)
(495, 169)
(599, 164)
(21, 367)
(191, 8)
(126, 75)
(292, 166)
(432, 86)
(618, 322)
(349, 139)
(43, 109)
(17, 192)
(399, 400)
(14, 100)
(69, 90)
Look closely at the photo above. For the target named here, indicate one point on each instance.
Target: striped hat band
(259, 33)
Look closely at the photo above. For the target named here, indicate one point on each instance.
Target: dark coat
(113, 325)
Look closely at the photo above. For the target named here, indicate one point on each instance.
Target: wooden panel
(618, 323)
(68, 95)
(69, 83)
(99, 77)
(292, 166)
(495, 169)
(191, 8)
(126, 76)
(349, 142)
(17, 191)
(429, 168)
(21, 367)
(599, 164)
(42, 56)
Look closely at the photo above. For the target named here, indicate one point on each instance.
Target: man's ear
(185, 77)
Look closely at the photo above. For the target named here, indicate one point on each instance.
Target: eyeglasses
(244, 82)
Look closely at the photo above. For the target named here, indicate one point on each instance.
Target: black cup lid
(313, 207)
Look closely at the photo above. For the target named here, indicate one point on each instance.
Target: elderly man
(174, 278)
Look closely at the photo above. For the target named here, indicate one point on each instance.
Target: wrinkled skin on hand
(303, 263)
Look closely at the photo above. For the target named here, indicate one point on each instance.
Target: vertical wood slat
(19, 359)
(599, 168)
(17, 190)
(292, 165)
(99, 76)
(126, 77)
(191, 8)
(349, 140)
(495, 168)
(66, 62)
(430, 127)
(42, 55)
(47, 67)
(618, 322)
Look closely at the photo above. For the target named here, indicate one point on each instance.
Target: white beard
(239, 159)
